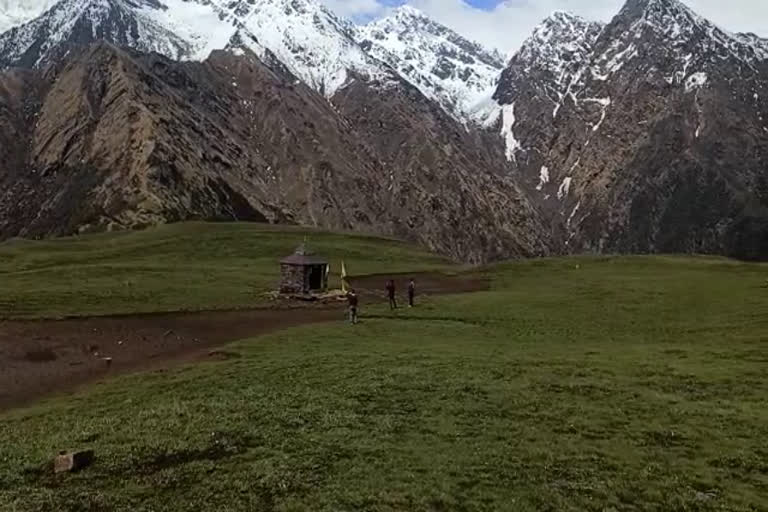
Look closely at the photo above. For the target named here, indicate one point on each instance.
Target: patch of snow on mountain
(604, 104)
(613, 60)
(543, 177)
(487, 112)
(573, 213)
(458, 74)
(507, 131)
(695, 81)
(565, 188)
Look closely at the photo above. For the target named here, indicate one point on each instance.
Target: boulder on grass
(69, 462)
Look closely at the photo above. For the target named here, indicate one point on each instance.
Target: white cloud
(508, 24)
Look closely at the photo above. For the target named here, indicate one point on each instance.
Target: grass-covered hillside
(189, 266)
(619, 384)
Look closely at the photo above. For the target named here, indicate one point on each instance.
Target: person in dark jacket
(411, 292)
(391, 294)
(352, 301)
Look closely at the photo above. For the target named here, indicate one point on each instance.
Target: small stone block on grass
(73, 461)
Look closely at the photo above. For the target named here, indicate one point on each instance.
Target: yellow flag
(343, 277)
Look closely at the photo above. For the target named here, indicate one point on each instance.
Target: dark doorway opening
(316, 278)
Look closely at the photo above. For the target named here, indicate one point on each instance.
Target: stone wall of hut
(292, 278)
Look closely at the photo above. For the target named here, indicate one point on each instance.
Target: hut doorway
(316, 274)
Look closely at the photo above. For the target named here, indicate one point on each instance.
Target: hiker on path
(391, 294)
(411, 292)
(352, 302)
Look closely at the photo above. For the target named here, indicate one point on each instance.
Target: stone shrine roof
(303, 257)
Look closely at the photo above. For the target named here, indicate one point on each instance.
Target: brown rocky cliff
(441, 181)
(124, 139)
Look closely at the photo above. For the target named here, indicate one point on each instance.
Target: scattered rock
(74, 461)
(706, 496)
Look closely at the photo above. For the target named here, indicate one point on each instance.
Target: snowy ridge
(559, 47)
(558, 52)
(36, 42)
(456, 73)
(311, 41)
(756, 43)
(555, 57)
(568, 59)
(308, 39)
(691, 42)
(679, 25)
(564, 55)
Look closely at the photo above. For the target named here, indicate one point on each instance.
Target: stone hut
(303, 272)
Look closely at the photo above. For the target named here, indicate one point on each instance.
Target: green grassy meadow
(598, 384)
(190, 266)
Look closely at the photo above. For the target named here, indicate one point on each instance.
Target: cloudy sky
(504, 24)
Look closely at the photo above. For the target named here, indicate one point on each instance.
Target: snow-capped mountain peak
(70, 22)
(307, 38)
(680, 27)
(457, 73)
(556, 53)
(560, 40)
(310, 40)
(407, 12)
(315, 45)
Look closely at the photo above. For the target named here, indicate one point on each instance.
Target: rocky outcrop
(648, 137)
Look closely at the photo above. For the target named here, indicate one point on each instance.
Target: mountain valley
(645, 134)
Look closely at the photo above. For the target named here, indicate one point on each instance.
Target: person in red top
(391, 294)
(352, 301)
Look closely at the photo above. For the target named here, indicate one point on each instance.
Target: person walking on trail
(411, 292)
(391, 294)
(352, 301)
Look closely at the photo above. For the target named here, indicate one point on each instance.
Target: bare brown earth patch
(46, 357)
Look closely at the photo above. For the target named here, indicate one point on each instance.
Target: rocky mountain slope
(112, 138)
(646, 135)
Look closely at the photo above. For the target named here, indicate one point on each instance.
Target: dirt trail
(41, 358)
